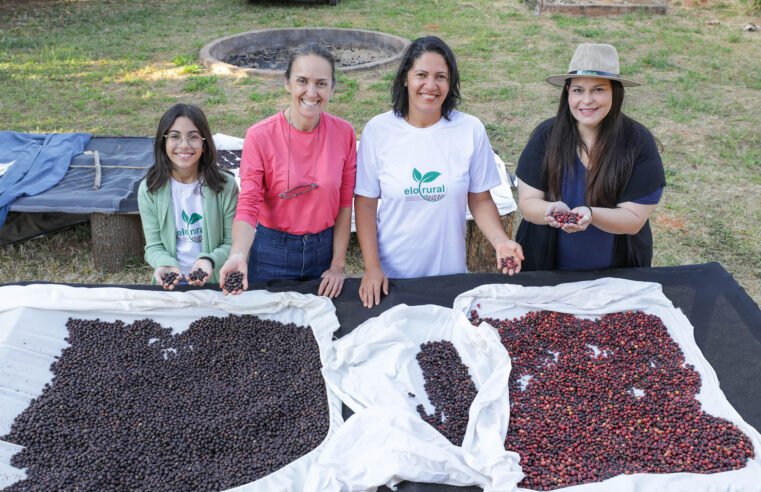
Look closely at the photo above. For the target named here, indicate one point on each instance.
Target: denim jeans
(279, 255)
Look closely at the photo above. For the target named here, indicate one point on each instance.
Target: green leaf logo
(193, 219)
(430, 177)
(184, 217)
(416, 175)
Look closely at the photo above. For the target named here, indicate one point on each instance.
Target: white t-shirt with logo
(188, 215)
(423, 176)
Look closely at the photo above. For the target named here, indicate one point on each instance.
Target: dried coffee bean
(168, 278)
(133, 407)
(592, 399)
(198, 274)
(449, 387)
(234, 281)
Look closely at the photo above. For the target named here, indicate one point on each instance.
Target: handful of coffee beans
(198, 274)
(510, 263)
(168, 278)
(234, 281)
(566, 217)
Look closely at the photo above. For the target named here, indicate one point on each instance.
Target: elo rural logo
(430, 192)
(193, 233)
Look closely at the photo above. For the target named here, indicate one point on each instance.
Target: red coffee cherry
(567, 217)
(592, 399)
(510, 263)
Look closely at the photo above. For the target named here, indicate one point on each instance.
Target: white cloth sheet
(373, 370)
(32, 332)
(609, 295)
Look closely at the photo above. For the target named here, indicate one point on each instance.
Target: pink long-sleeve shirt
(277, 157)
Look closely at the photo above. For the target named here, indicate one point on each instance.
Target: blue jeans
(279, 255)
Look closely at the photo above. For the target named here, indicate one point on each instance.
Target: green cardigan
(157, 216)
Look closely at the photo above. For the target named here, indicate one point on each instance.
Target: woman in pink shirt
(297, 182)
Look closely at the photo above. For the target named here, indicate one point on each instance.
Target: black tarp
(726, 320)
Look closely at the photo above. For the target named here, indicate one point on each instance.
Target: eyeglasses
(194, 141)
(299, 190)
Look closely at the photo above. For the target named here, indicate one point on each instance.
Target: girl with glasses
(297, 181)
(186, 202)
(425, 160)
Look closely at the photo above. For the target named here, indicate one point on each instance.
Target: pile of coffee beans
(449, 387)
(234, 281)
(168, 278)
(510, 263)
(567, 217)
(133, 407)
(592, 399)
(229, 159)
(197, 274)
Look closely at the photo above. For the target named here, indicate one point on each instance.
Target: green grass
(112, 67)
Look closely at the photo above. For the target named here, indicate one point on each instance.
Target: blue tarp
(124, 161)
(41, 161)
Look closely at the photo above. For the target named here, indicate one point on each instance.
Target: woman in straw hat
(591, 165)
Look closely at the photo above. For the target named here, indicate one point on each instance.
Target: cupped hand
(163, 270)
(332, 282)
(506, 250)
(205, 265)
(586, 218)
(235, 263)
(553, 208)
(374, 282)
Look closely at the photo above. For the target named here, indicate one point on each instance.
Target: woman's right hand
(235, 263)
(551, 209)
(163, 270)
(374, 281)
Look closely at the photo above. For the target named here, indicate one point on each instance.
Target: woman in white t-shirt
(186, 202)
(425, 160)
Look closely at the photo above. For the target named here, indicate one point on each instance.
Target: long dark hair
(208, 172)
(611, 159)
(399, 98)
(312, 48)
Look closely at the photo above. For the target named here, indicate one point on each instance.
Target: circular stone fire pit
(265, 52)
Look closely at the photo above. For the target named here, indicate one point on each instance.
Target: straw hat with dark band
(593, 60)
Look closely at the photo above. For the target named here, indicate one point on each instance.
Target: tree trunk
(116, 238)
(480, 253)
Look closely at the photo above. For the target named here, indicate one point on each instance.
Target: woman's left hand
(506, 250)
(586, 218)
(332, 282)
(204, 265)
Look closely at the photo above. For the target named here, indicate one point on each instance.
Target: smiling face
(184, 146)
(590, 100)
(427, 87)
(310, 86)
